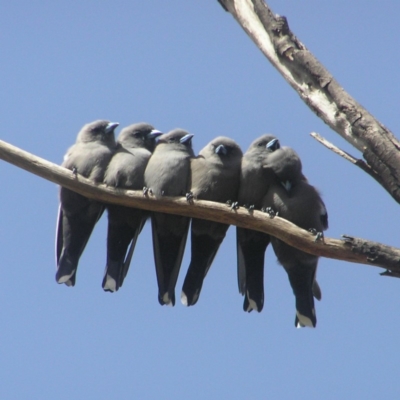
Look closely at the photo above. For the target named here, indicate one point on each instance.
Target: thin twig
(356, 161)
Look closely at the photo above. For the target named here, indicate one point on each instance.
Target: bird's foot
(249, 207)
(147, 191)
(319, 236)
(234, 205)
(189, 197)
(270, 212)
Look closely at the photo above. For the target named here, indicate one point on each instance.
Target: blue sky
(188, 64)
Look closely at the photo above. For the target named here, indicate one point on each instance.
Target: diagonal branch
(319, 90)
(350, 249)
(356, 161)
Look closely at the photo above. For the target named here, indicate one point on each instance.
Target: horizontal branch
(350, 249)
(319, 90)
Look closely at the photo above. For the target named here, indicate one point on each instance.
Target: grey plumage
(297, 201)
(215, 177)
(168, 173)
(77, 215)
(251, 245)
(126, 170)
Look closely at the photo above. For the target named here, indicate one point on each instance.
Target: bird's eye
(97, 131)
(260, 144)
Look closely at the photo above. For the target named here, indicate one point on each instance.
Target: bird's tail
(72, 237)
(251, 252)
(121, 242)
(204, 249)
(168, 254)
(301, 279)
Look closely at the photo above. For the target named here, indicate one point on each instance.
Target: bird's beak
(186, 139)
(221, 149)
(273, 145)
(111, 127)
(154, 134)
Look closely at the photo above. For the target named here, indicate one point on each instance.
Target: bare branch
(319, 90)
(356, 161)
(351, 249)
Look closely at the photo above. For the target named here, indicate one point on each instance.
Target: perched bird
(293, 198)
(126, 170)
(77, 215)
(215, 177)
(168, 174)
(251, 245)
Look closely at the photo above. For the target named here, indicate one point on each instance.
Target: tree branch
(356, 161)
(350, 249)
(319, 90)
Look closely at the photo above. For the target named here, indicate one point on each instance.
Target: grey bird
(293, 198)
(77, 215)
(126, 170)
(215, 177)
(251, 245)
(168, 174)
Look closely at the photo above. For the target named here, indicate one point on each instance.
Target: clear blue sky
(188, 64)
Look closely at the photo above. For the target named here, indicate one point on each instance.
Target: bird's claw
(234, 205)
(147, 191)
(189, 197)
(270, 212)
(319, 236)
(249, 207)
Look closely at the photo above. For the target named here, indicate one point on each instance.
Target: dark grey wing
(251, 246)
(204, 249)
(74, 232)
(324, 216)
(168, 250)
(128, 258)
(124, 227)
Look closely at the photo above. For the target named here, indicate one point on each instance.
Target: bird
(77, 215)
(292, 197)
(126, 170)
(251, 245)
(168, 174)
(214, 177)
